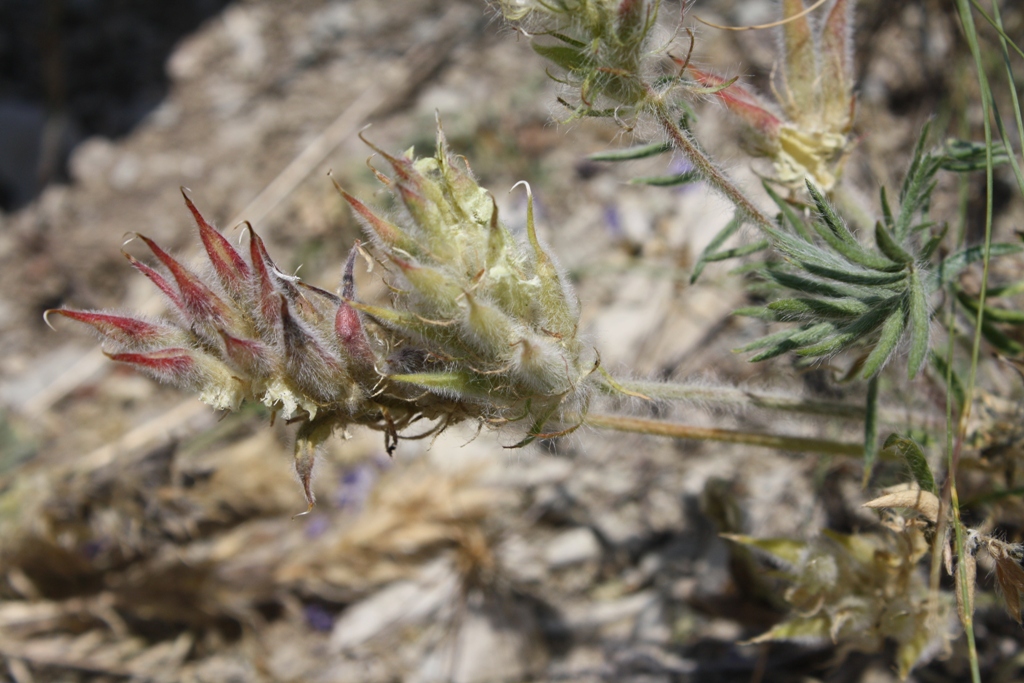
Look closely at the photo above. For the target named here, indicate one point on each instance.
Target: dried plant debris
(857, 591)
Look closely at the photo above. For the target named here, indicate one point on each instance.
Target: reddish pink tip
(743, 103)
(389, 233)
(174, 366)
(130, 332)
(231, 268)
(198, 300)
(249, 355)
(162, 284)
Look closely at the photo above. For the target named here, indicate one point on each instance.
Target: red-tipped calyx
(157, 279)
(129, 332)
(251, 356)
(389, 233)
(266, 276)
(313, 368)
(232, 270)
(347, 324)
(198, 300)
(174, 366)
(743, 103)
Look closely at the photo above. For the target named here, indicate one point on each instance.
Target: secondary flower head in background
(481, 325)
(806, 132)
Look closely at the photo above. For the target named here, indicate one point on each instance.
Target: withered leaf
(1010, 577)
(924, 502)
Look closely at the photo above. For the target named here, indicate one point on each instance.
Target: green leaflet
(853, 276)
(892, 330)
(631, 153)
(812, 286)
(1000, 315)
(888, 245)
(807, 306)
(951, 266)
(717, 241)
(736, 252)
(786, 211)
(920, 325)
(850, 333)
(797, 339)
(963, 156)
(668, 181)
(908, 451)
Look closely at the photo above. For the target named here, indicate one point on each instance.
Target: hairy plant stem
(742, 398)
(639, 425)
(711, 173)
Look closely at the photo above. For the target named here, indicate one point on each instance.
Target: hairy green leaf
(920, 325)
(631, 153)
(892, 330)
(792, 218)
(910, 453)
(888, 245)
(668, 181)
(951, 266)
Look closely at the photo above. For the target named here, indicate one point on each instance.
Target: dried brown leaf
(1010, 578)
(924, 502)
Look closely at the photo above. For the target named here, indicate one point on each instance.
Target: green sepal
(569, 57)
(457, 384)
(801, 629)
(416, 327)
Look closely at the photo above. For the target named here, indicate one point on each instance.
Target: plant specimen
(482, 325)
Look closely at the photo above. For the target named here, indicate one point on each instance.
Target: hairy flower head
(481, 325)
